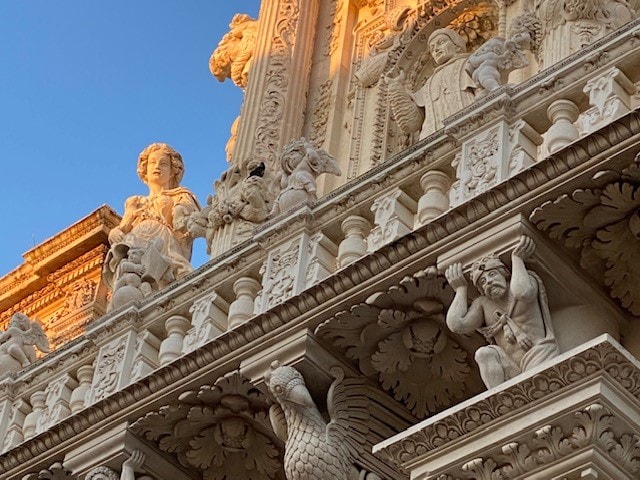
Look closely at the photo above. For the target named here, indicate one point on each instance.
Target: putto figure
(156, 223)
(17, 343)
(512, 313)
(491, 64)
(301, 164)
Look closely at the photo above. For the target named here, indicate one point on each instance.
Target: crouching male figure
(511, 312)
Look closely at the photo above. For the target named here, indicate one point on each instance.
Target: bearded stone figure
(153, 226)
(512, 313)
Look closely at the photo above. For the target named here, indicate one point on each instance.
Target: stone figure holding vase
(511, 313)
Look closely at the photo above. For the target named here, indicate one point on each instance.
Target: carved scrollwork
(604, 223)
(399, 337)
(222, 430)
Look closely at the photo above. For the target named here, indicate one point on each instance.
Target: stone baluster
(79, 395)
(31, 421)
(171, 347)
(354, 245)
(435, 200)
(562, 113)
(241, 309)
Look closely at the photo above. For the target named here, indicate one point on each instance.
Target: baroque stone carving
(591, 426)
(604, 224)
(569, 25)
(221, 430)
(232, 58)
(511, 312)
(54, 472)
(301, 164)
(244, 197)
(399, 337)
(315, 449)
(491, 64)
(17, 343)
(154, 227)
(448, 90)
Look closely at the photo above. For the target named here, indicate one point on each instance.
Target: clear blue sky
(85, 86)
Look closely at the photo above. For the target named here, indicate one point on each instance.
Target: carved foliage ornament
(232, 58)
(604, 223)
(222, 430)
(592, 426)
(399, 336)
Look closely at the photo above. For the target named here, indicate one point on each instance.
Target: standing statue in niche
(458, 79)
(17, 343)
(449, 89)
(155, 224)
(512, 313)
(301, 164)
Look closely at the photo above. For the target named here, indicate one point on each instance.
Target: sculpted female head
(161, 149)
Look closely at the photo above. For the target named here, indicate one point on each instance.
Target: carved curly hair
(177, 165)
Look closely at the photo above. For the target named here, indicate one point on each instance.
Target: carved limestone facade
(458, 304)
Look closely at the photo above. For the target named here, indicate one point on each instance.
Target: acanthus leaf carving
(220, 429)
(604, 224)
(398, 337)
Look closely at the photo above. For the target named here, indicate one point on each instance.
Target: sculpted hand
(525, 248)
(455, 276)
(135, 461)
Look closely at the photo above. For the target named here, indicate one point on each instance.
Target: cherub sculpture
(17, 343)
(490, 65)
(301, 164)
(315, 449)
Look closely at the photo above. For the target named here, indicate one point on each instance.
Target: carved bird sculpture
(315, 449)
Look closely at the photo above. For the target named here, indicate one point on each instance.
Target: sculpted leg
(490, 364)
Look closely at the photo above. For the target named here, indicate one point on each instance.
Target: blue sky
(85, 86)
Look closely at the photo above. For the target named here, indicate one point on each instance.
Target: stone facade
(356, 333)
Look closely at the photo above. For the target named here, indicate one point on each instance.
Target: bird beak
(300, 396)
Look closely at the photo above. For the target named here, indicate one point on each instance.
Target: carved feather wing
(36, 336)
(348, 408)
(278, 421)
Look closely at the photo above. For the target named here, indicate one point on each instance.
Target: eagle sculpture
(314, 448)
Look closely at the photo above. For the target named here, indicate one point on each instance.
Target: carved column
(435, 200)
(562, 113)
(354, 245)
(30, 426)
(241, 309)
(279, 79)
(79, 395)
(394, 217)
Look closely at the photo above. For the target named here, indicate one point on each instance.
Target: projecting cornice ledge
(537, 422)
(350, 284)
